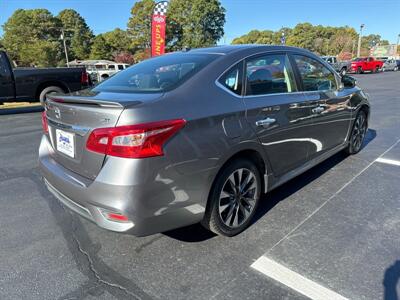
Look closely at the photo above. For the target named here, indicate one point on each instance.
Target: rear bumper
(152, 206)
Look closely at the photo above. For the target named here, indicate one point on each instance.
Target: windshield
(158, 74)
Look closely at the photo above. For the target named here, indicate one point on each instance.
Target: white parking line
(388, 161)
(294, 280)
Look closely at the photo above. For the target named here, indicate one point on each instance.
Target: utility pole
(352, 48)
(65, 46)
(359, 40)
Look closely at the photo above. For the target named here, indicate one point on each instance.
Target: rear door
(6, 80)
(330, 105)
(277, 111)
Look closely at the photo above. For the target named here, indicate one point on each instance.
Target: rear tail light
(85, 78)
(134, 141)
(45, 125)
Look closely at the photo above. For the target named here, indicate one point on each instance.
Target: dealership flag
(158, 22)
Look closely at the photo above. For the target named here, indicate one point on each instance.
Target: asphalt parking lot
(336, 225)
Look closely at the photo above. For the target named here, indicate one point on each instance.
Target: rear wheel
(343, 72)
(233, 199)
(359, 70)
(395, 69)
(377, 69)
(49, 90)
(358, 133)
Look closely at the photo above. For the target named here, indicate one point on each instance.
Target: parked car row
(362, 64)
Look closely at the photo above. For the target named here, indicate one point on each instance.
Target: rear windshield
(156, 75)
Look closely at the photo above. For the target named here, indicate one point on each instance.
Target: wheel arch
(47, 84)
(254, 153)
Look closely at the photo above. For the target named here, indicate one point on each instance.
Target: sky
(379, 16)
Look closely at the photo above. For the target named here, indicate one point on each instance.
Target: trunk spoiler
(83, 101)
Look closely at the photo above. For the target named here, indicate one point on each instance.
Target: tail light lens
(85, 78)
(134, 141)
(45, 125)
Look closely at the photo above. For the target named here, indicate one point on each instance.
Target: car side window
(269, 74)
(315, 76)
(232, 79)
(3, 65)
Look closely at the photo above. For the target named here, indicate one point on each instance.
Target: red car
(362, 64)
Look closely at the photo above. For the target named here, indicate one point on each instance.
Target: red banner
(158, 24)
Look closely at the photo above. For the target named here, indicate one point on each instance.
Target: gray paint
(171, 191)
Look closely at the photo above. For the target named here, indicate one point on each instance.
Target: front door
(330, 105)
(277, 111)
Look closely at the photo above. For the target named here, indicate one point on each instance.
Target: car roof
(243, 49)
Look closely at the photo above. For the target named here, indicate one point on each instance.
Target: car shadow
(197, 233)
(390, 281)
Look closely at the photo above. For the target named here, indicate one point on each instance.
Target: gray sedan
(197, 136)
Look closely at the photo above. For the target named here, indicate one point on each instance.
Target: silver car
(390, 65)
(197, 136)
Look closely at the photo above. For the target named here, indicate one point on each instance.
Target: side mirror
(348, 81)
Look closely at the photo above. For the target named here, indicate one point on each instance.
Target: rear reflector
(114, 216)
(44, 122)
(134, 141)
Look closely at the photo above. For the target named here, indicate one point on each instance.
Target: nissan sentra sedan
(197, 136)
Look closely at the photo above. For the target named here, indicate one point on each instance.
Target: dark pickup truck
(32, 84)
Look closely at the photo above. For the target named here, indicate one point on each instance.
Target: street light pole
(65, 46)
(359, 41)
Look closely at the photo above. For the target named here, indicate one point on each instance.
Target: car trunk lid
(71, 119)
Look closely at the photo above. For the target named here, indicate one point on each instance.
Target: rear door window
(269, 74)
(232, 79)
(315, 76)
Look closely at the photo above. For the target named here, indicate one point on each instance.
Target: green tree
(139, 24)
(190, 23)
(40, 53)
(78, 34)
(26, 29)
(118, 40)
(194, 23)
(100, 48)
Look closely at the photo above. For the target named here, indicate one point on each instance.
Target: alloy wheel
(359, 131)
(238, 198)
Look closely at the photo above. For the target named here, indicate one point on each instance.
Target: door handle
(265, 122)
(318, 110)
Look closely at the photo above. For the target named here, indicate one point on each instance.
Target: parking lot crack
(92, 268)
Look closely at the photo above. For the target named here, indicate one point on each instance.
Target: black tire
(359, 70)
(220, 206)
(358, 132)
(49, 90)
(343, 72)
(377, 69)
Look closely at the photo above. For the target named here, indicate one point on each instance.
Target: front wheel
(395, 69)
(343, 72)
(359, 70)
(234, 198)
(358, 133)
